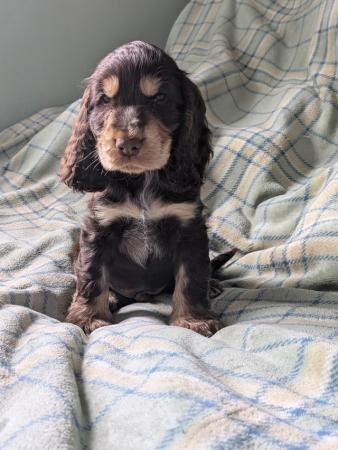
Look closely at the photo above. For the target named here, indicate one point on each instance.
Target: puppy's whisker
(87, 156)
(96, 161)
(97, 164)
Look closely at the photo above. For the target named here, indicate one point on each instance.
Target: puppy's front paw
(206, 327)
(81, 314)
(92, 325)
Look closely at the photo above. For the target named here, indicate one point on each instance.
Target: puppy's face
(139, 112)
(136, 103)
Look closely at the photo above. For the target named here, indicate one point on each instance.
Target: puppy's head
(138, 113)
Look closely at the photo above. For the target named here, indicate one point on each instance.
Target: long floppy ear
(191, 148)
(80, 168)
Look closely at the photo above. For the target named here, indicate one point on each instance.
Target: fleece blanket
(268, 72)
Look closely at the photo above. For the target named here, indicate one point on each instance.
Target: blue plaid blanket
(268, 72)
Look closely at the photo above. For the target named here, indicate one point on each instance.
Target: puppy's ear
(80, 168)
(192, 147)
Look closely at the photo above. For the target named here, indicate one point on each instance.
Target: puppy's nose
(128, 147)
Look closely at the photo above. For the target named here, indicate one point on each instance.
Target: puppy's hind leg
(215, 286)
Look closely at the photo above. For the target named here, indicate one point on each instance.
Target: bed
(269, 74)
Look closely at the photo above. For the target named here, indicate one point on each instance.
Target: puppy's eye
(105, 99)
(160, 98)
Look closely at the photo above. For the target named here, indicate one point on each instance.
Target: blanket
(268, 72)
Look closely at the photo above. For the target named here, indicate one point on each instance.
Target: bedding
(268, 72)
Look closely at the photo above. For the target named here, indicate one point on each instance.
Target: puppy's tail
(221, 259)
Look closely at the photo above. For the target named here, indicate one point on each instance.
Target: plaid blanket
(268, 71)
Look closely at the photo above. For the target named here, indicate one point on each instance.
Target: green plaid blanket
(268, 72)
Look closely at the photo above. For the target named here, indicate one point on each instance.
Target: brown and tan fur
(141, 145)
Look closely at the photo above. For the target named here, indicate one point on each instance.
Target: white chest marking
(156, 210)
(137, 243)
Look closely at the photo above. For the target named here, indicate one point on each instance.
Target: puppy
(140, 145)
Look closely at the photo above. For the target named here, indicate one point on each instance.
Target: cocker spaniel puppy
(140, 145)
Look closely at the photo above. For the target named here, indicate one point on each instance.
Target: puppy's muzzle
(128, 147)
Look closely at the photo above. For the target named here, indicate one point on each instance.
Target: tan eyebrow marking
(150, 85)
(110, 86)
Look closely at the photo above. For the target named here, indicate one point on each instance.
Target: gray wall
(48, 46)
